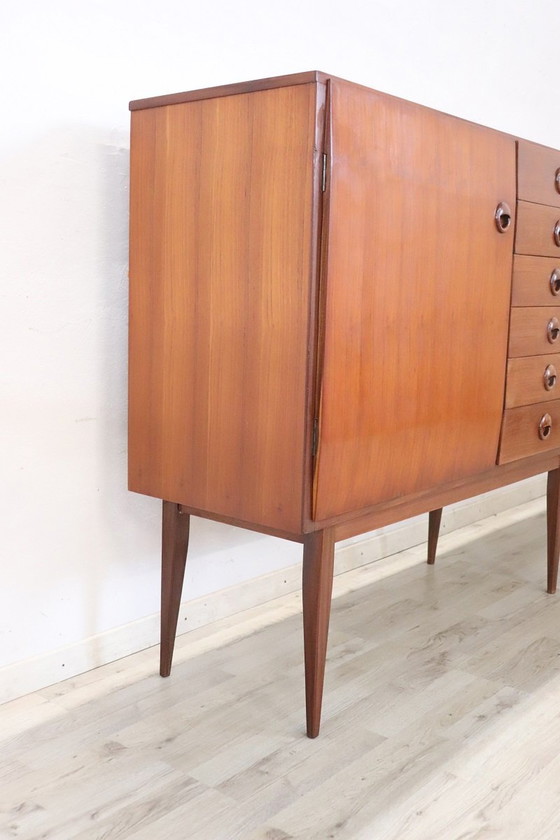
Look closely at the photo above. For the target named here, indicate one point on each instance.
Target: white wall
(80, 555)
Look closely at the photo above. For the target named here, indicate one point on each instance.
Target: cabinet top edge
(308, 77)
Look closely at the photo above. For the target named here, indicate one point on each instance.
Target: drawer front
(534, 331)
(532, 379)
(538, 230)
(530, 430)
(538, 174)
(536, 281)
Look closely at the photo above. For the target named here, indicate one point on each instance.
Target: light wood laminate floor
(441, 716)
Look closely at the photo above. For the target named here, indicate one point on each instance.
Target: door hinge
(315, 438)
(324, 174)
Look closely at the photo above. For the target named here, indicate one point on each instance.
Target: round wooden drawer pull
(502, 217)
(545, 426)
(550, 377)
(555, 282)
(553, 330)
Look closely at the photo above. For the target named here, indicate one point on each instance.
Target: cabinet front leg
(434, 522)
(553, 529)
(175, 542)
(318, 567)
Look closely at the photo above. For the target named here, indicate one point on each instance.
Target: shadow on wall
(64, 286)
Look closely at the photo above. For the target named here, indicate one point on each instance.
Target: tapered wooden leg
(553, 529)
(175, 542)
(318, 566)
(433, 533)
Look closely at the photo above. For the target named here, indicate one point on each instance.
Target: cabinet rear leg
(175, 542)
(433, 533)
(553, 529)
(318, 567)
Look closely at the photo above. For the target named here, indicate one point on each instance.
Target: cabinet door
(416, 288)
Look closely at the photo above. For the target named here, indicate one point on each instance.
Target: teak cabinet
(344, 311)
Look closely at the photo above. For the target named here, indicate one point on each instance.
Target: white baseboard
(30, 675)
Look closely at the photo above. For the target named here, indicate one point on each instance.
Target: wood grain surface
(396, 510)
(417, 282)
(220, 262)
(525, 382)
(528, 332)
(535, 230)
(520, 434)
(536, 173)
(532, 281)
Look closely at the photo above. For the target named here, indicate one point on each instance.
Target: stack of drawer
(532, 405)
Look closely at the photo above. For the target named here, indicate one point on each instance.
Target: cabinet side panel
(221, 193)
(417, 301)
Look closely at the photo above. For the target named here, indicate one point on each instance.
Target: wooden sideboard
(344, 311)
